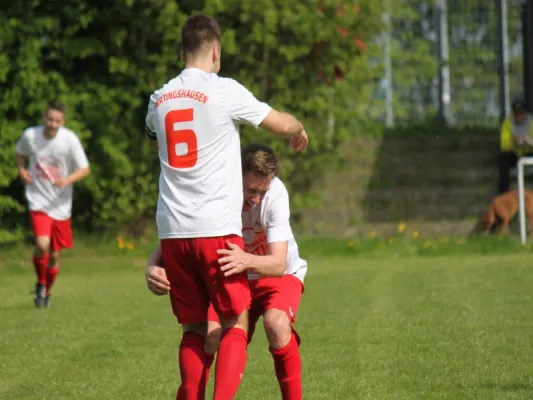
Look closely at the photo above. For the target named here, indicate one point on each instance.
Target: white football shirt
(268, 222)
(195, 118)
(50, 160)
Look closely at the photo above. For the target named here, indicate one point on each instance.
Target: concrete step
(424, 143)
(417, 195)
(409, 176)
(396, 212)
(428, 159)
(425, 229)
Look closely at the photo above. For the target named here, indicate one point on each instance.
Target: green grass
(378, 320)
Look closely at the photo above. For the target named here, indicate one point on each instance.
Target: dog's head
(485, 223)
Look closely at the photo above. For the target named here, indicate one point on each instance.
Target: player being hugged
(56, 160)
(195, 119)
(275, 270)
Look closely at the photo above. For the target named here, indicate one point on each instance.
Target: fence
(461, 60)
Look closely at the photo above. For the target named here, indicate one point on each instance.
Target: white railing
(522, 163)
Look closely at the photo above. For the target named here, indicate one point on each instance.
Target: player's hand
(156, 280)
(234, 260)
(61, 182)
(25, 176)
(299, 143)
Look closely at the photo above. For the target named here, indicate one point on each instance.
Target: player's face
(520, 117)
(53, 120)
(255, 188)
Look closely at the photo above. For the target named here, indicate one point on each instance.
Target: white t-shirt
(268, 222)
(195, 119)
(50, 160)
(523, 131)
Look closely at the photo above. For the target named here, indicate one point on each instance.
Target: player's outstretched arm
(286, 125)
(245, 108)
(234, 261)
(282, 123)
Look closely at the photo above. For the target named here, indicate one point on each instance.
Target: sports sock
(192, 367)
(231, 361)
(51, 275)
(287, 364)
(40, 264)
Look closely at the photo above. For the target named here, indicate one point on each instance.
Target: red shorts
(196, 279)
(282, 293)
(59, 232)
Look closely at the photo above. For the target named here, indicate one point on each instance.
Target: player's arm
(271, 265)
(79, 158)
(156, 277)
(284, 124)
(245, 108)
(234, 260)
(77, 175)
(281, 124)
(149, 125)
(22, 161)
(22, 150)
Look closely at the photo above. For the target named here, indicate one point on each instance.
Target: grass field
(377, 322)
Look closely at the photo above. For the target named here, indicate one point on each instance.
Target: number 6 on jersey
(182, 144)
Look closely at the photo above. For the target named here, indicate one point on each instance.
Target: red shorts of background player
(59, 232)
(282, 293)
(196, 279)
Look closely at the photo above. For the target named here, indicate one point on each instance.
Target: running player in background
(271, 251)
(195, 118)
(56, 161)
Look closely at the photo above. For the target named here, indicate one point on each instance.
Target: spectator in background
(516, 140)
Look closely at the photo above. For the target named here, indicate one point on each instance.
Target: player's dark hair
(519, 105)
(56, 105)
(198, 30)
(260, 160)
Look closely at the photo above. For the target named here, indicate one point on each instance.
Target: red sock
(208, 362)
(231, 360)
(51, 275)
(40, 264)
(192, 367)
(289, 370)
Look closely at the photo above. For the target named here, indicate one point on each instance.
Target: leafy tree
(103, 59)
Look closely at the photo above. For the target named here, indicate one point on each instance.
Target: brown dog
(501, 210)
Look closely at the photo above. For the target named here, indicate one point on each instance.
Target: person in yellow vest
(516, 140)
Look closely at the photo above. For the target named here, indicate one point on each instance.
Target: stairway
(439, 184)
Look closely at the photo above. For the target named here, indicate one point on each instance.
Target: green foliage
(103, 59)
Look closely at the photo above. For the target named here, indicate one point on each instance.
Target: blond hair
(260, 160)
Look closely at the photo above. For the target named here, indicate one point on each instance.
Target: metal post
(503, 60)
(521, 200)
(444, 67)
(388, 73)
(527, 37)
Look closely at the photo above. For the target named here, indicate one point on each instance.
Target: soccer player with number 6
(195, 119)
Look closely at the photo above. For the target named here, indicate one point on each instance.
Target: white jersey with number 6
(268, 222)
(195, 118)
